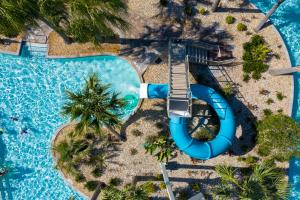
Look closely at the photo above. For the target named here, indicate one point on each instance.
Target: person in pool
(24, 131)
(3, 171)
(1, 131)
(14, 119)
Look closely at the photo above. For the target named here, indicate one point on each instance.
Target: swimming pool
(287, 21)
(33, 90)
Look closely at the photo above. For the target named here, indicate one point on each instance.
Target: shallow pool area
(32, 90)
(287, 21)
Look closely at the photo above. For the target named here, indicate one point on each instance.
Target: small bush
(196, 187)
(162, 186)
(91, 185)
(241, 27)
(188, 10)
(203, 11)
(280, 110)
(269, 101)
(79, 178)
(248, 33)
(115, 181)
(159, 177)
(228, 90)
(163, 3)
(97, 172)
(183, 195)
(267, 112)
(137, 132)
(255, 55)
(246, 78)
(263, 151)
(230, 19)
(149, 187)
(276, 55)
(251, 160)
(280, 96)
(160, 125)
(204, 135)
(133, 151)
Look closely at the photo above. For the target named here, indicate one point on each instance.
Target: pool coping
(68, 181)
(287, 54)
(14, 53)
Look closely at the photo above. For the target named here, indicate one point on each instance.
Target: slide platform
(179, 126)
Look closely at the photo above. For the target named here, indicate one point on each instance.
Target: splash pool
(287, 21)
(33, 90)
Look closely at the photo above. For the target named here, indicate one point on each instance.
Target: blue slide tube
(179, 125)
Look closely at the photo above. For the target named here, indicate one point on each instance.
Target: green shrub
(255, 55)
(280, 96)
(241, 27)
(159, 177)
(149, 187)
(162, 147)
(79, 178)
(276, 55)
(269, 101)
(162, 186)
(188, 10)
(203, 11)
(196, 187)
(267, 112)
(251, 160)
(137, 132)
(280, 110)
(183, 195)
(133, 151)
(204, 135)
(91, 185)
(97, 172)
(278, 135)
(230, 19)
(115, 181)
(246, 77)
(228, 90)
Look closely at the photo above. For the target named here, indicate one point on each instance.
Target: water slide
(179, 125)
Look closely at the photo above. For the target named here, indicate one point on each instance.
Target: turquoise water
(287, 21)
(33, 90)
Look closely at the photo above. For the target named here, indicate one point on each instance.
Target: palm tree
(263, 181)
(270, 13)
(215, 5)
(92, 20)
(13, 19)
(95, 107)
(130, 192)
(82, 21)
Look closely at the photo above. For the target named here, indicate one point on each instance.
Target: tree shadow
(243, 115)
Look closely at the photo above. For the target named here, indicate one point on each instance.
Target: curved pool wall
(179, 126)
(287, 21)
(33, 90)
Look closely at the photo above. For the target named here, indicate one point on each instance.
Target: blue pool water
(287, 21)
(33, 90)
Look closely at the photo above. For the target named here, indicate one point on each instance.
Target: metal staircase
(197, 55)
(179, 98)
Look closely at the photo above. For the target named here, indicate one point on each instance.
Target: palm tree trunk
(60, 32)
(270, 13)
(215, 5)
(119, 136)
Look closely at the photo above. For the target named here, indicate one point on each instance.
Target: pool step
(35, 50)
